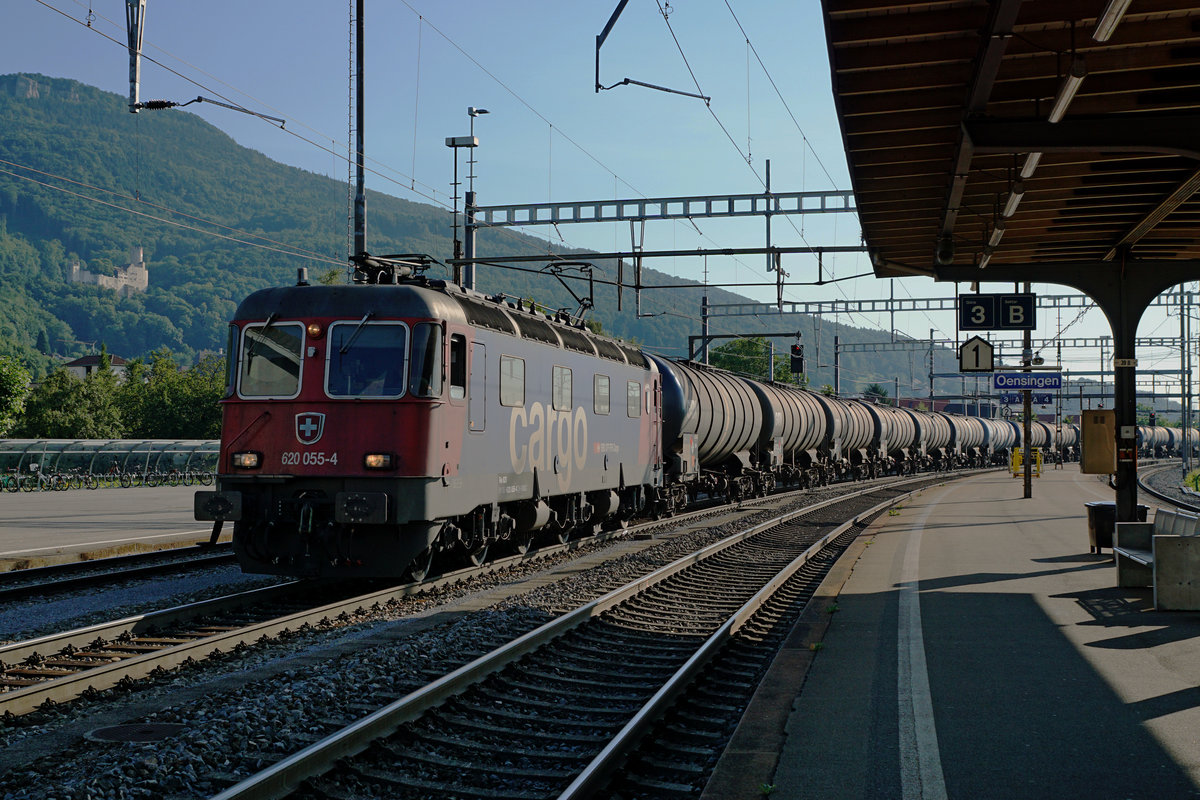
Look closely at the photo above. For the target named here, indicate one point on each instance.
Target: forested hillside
(82, 179)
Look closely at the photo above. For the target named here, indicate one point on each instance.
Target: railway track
(62, 667)
(1174, 500)
(552, 713)
(41, 581)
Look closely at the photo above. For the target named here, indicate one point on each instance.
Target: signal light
(797, 359)
(315, 330)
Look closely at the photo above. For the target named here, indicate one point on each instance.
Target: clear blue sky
(549, 136)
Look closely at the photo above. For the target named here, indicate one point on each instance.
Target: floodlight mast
(360, 190)
(135, 12)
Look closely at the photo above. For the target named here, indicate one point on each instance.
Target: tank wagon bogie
(369, 429)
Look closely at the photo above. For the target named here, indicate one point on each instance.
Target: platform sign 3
(991, 312)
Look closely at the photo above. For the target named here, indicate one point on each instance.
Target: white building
(82, 367)
(129, 279)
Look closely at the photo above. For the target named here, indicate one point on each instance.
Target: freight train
(369, 428)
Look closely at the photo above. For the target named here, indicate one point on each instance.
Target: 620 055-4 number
(309, 459)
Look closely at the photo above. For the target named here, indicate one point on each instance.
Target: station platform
(41, 528)
(970, 646)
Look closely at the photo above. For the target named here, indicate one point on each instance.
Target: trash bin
(1102, 521)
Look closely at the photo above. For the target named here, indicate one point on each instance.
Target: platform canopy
(1063, 134)
(1048, 141)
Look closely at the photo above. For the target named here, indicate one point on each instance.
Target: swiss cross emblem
(309, 427)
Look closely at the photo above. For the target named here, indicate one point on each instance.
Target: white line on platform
(74, 545)
(920, 760)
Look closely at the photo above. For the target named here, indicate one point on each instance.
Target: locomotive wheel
(421, 565)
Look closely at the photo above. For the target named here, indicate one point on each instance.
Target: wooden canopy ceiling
(943, 102)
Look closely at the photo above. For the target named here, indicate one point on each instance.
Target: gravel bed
(244, 710)
(26, 619)
(1170, 482)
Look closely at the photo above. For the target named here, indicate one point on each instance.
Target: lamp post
(473, 112)
(468, 271)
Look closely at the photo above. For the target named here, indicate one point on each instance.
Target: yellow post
(1015, 462)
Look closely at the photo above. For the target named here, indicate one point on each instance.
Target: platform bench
(1164, 554)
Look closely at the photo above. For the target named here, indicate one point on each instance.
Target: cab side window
(633, 405)
(458, 366)
(512, 381)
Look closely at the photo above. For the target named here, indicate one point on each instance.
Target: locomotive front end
(335, 396)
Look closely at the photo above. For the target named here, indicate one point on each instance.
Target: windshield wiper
(262, 335)
(357, 331)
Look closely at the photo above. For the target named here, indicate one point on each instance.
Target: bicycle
(115, 476)
(83, 480)
(11, 482)
(41, 481)
(73, 478)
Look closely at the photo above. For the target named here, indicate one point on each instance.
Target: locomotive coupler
(306, 518)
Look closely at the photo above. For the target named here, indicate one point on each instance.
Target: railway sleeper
(629, 682)
(698, 718)
(606, 655)
(467, 767)
(465, 707)
(436, 789)
(623, 685)
(489, 748)
(659, 788)
(610, 709)
(540, 689)
(477, 727)
(684, 769)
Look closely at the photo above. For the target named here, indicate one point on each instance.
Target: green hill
(73, 160)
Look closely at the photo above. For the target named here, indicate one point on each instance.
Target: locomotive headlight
(246, 460)
(314, 330)
(378, 461)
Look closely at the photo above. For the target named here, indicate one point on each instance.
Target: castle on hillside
(129, 279)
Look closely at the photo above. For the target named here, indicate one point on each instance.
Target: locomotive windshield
(366, 359)
(270, 363)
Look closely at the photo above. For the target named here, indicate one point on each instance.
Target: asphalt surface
(978, 650)
(46, 527)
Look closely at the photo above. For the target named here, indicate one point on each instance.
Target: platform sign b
(1017, 312)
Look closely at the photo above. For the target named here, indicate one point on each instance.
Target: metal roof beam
(1160, 212)
(1173, 134)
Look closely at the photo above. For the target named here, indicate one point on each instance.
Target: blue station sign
(1015, 381)
(1038, 399)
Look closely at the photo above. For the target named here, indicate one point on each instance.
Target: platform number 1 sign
(976, 355)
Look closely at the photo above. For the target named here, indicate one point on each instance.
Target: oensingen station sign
(1027, 380)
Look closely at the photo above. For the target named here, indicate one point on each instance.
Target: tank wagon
(967, 437)
(369, 429)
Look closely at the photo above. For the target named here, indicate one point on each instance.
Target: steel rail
(1195, 509)
(599, 771)
(62, 577)
(107, 675)
(281, 778)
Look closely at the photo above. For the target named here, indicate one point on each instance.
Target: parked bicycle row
(37, 480)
